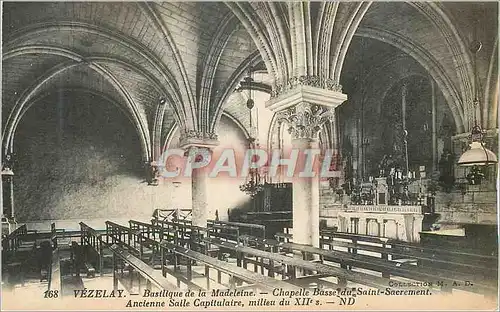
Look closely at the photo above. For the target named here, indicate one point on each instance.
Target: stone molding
(302, 93)
(465, 137)
(192, 138)
(305, 80)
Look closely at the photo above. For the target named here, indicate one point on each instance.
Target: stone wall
(73, 163)
(477, 206)
(76, 160)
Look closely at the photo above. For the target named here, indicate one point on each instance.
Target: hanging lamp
(478, 154)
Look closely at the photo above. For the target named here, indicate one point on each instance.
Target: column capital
(305, 119)
(192, 138)
(306, 106)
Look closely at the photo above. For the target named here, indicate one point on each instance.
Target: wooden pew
(464, 256)
(56, 233)
(390, 268)
(283, 237)
(224, 231)
(96, 250)
(343, 275)
(124, 236)
(157, 230)
(456, 261)
(483, 276)
(16, 251)
(259, 243)
(152, 276)
(182, 233)
(250, 229)
(255, 280)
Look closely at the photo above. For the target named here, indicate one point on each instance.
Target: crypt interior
(405, 94)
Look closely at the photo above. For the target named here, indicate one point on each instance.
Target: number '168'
(51, 294)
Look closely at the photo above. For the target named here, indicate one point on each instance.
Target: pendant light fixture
(253, 184)
(478, 154)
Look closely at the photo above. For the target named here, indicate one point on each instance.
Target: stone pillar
(199, 150)
(434, 127)
(8, 188)
(305, 199)
(7, 196)
(305, 109)
(200, 210)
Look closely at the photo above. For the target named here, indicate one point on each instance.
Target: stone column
(8, 189)
(8, 196)
(198, 150)
(306, 198)
(7, 199)
(435, 166)
(305, 109)
(200, 210)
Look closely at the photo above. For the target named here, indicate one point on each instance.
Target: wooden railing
(11, 242)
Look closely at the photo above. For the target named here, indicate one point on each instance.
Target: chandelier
(254, 182)
(478, 154)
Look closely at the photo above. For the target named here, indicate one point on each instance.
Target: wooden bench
(236, 273)
(283, 237)
(291, 263)
(183, 234)
(259, 243)
(254, 230)
(124, 236)
(407, 259)
(453, 261)
(179, 232)
(95, 249)
(224, 231)
(390, 268)
(152, 276)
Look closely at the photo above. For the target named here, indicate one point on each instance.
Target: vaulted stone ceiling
(169, 63)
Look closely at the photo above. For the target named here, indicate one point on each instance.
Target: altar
(391, 221)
